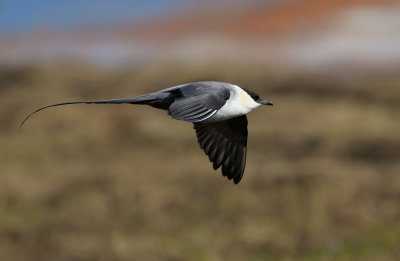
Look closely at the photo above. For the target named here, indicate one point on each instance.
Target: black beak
(266, 102)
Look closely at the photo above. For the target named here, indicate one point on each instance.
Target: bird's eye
(256, 97)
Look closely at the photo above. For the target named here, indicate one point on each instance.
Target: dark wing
(225, 144)
(196, 102)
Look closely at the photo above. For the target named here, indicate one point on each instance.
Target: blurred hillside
(124, 182)
(332, 36)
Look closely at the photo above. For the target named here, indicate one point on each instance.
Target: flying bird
(218, 113)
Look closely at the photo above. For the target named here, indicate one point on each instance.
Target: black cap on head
(257, 98)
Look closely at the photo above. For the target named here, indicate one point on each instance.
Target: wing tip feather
(225, 145)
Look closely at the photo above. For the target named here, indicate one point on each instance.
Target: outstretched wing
(225, 144)
(196, 102)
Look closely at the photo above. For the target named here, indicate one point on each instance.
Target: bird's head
(257, 98)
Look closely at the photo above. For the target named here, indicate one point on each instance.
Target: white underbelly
(228, 111)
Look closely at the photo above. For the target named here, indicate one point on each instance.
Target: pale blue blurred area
(331, 36)
(27, 15)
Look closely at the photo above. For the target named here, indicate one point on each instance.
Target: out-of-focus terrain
(336, 36)
(126, 182)
(123, 182)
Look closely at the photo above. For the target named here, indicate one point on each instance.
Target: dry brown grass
(121, 182)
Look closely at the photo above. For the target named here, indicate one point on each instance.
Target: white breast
(238, 104)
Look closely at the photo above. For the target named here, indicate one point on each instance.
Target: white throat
(238, 104)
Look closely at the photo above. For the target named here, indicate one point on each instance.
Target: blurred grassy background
(124, 182)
